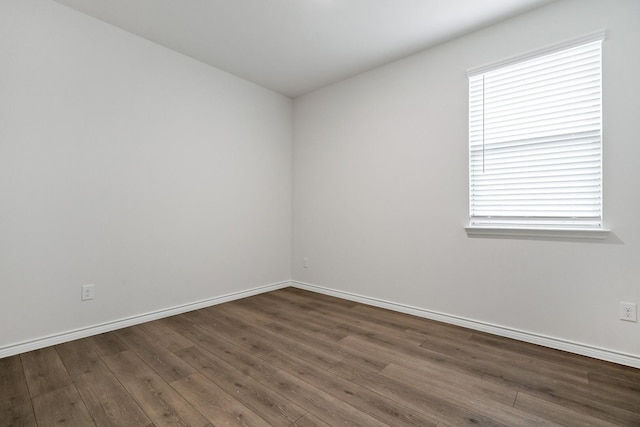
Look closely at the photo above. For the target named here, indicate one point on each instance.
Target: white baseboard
(75, 334)
(543, 340)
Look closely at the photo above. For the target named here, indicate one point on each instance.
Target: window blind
(535, 142)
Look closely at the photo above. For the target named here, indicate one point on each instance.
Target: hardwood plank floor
(295, 358)
(15, 401)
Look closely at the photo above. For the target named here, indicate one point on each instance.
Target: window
(535, 141)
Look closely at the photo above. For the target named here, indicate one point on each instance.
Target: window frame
(525, 228)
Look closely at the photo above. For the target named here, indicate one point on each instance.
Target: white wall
(165, 181)
(380, 189)
(161, 180)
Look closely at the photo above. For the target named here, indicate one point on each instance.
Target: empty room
(319, 212)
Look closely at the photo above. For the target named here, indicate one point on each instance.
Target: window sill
(541, 233)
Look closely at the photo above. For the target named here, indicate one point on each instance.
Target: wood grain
(309, 420)
(478, 400)
(556, 413)
(324, 406)
(106, 399)
(62, 406)
(169, 339)
(214, 403)
(295, 358)
(15, 402)
(367, 400)
(44, 371)
(166, 364)
(107, 344)
(162, 404)
(271, 406)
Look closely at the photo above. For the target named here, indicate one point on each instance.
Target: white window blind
(535, 142)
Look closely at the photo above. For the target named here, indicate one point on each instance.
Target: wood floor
(294, 358)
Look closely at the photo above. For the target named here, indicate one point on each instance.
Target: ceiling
(295, 46)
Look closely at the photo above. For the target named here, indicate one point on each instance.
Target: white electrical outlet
(88, 292)
(305, 262)
(629, 311)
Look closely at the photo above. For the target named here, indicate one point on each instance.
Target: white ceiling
(296, 46)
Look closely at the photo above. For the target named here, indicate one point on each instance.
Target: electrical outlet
(88, 292)
(628, 311)
(305, 262)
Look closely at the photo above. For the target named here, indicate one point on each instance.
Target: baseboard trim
(543, 340)
(35, 344)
